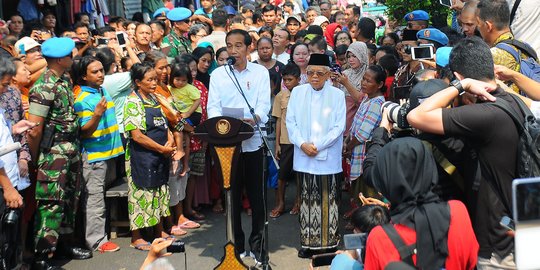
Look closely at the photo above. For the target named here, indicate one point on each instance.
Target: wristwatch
(457, 84)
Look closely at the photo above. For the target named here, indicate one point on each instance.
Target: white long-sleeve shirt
(255, 82)
(9, 160)
(327, 137)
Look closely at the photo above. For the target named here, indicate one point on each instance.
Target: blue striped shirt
(105, 143)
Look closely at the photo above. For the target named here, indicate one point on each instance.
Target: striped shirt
(367, 117)
(105, 143)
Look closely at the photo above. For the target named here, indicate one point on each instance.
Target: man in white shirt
(316, 122)
(281, 40)
(254, 81)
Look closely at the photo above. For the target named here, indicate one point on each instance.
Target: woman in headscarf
(330, 31)
(357, 57)
(438, 234)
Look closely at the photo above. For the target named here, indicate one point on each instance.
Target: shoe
(44, 265)
(305, 253)
(75, 253)
(108, 247)
(243, 254)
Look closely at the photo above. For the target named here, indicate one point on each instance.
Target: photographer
(364, 219)
(487, 130)
(433, 234)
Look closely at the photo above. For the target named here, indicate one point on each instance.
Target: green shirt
(51, 97)
(173, 45)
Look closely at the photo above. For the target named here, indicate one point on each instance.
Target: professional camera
(397, 114)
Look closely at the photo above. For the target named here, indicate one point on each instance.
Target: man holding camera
(487, 130)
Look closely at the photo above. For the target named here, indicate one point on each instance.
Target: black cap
(318, 59)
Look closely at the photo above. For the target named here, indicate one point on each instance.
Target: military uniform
(57, 188)
(173, 44)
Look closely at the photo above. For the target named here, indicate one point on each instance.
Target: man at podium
(228, 84)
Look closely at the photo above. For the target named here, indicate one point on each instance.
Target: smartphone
(322, 259)
(121, 36)
(508, 223)
(422, 52)
(102, 41)
(355, 241)
(447, 3)
(176, 247)
(336, 68)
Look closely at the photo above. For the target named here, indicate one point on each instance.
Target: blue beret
(443, 56)
(161, 12)
(57, 47)
(433, 34)
(417, 15)
(230, 10)
(179, 14)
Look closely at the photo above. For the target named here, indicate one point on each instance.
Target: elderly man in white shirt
(254, 80)
(316, 122)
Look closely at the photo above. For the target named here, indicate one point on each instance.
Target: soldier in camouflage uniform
(175, 43)
(56, 147)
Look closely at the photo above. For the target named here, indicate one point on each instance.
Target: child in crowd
(221, 56)
(186, 99)
(284, 148)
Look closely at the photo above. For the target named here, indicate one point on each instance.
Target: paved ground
(204, 246)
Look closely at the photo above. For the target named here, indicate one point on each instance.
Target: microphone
(231, 60)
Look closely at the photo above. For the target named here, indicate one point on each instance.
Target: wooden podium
(224, 136)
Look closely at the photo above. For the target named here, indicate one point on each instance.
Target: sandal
(189, 224)
(141, 246)
(295, 210)
(195, 216)
(276, 213)
(218, 209)
(177, 231)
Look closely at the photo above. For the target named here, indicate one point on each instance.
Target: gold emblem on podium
(223, 126)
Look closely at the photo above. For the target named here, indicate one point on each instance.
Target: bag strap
(514, 10)
(509, 49)
(405, 251)
(523, 47)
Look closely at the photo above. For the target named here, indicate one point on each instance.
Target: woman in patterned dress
(148, 153)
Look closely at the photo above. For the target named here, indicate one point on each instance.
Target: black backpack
(528, 156)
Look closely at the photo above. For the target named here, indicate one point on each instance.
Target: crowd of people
(346, 99)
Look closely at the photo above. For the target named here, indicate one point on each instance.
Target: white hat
(25, 44)
(320, 20)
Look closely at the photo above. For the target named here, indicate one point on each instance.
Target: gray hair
(7, 67)
(314, 8)
(194, 29)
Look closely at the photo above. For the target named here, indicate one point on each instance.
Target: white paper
(237, 113)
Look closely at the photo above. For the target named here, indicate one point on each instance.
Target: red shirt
(388, 83)
(462, 244)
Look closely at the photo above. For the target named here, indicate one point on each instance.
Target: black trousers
(249, 175)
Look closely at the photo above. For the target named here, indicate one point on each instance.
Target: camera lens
(11, 217)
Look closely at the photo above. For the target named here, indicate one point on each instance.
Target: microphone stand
(266, 149)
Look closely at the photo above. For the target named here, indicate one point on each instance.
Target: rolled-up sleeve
(213, 107)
